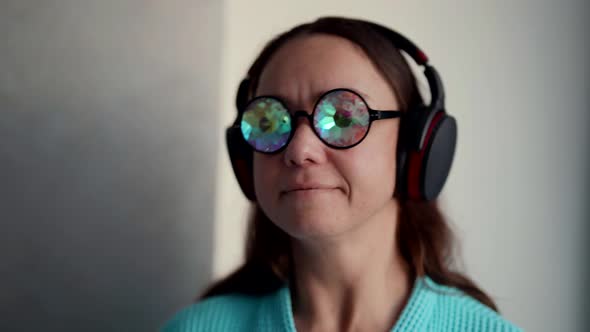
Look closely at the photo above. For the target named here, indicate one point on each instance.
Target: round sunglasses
(341, 119)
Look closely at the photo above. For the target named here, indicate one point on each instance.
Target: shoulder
(457, 311)
(232, 312)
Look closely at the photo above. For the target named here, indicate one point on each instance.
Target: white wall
(514, 75)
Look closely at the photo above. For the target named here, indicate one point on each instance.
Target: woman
(343, 162)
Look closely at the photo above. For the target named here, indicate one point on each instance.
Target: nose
(305, 148)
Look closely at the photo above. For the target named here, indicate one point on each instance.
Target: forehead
(306, 67)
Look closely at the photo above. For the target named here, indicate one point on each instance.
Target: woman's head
(350, 189)
(357, 183)
(299, 65)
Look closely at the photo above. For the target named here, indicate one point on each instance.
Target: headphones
(426, 144)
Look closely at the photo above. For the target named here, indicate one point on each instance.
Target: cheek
(374, 171)
(372, 167)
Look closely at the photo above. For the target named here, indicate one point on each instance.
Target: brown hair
(424, 237)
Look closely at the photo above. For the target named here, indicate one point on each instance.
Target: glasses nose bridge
(302, 114)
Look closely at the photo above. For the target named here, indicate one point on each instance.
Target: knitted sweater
(431, 307)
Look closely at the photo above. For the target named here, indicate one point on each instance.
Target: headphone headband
(402, 43)
(434, 82)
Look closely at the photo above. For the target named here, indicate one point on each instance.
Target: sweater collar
(414, 317)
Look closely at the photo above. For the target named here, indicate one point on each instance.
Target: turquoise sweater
(431, 307)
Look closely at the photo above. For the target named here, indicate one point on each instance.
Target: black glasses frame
(374, 115)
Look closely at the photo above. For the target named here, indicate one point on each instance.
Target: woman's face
(353, 185)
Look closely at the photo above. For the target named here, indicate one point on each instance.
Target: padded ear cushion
(241, 156)
(401, 163)
(411, 131)
(427, 168)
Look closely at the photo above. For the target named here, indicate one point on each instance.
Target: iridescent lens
(266, 124)
(341, 118)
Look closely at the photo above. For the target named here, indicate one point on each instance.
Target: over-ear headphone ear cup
(429, 167)
(241, 156)
(438, 157)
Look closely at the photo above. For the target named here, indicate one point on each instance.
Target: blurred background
(117, 199)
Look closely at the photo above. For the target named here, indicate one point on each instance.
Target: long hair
(425, 239)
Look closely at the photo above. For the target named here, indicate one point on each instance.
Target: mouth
(306, 191)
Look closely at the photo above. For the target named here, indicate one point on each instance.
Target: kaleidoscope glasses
(341, 119)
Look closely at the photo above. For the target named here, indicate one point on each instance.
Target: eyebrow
(316, 96)
(364, 95)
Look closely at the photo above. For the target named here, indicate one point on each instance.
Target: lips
(306, 186)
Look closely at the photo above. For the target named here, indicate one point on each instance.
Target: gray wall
(107, 162)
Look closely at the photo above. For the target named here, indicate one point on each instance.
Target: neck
(352, 281)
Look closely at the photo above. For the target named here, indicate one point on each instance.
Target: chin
(314, 225)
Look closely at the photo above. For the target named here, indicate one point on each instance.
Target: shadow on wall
(586, 286)
(107, 199)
